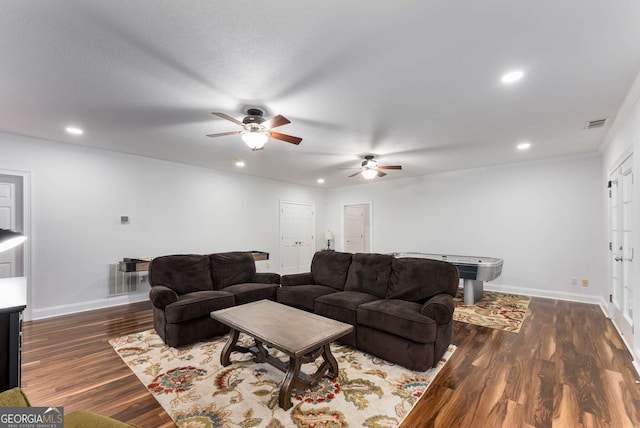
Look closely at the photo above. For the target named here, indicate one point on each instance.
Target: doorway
(357, 228)
(621, 224)
(15, 214)
(11, 261)
(297, 226)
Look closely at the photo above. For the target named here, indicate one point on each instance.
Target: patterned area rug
(501, 311)
(196, 391)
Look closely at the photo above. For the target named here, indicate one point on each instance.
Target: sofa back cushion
(369, 273)
(330, 268)
(231, 268)
(417, 280)
(183, 273)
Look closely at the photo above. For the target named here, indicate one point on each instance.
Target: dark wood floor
(566, 368)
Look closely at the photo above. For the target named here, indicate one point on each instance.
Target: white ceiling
(416, 83)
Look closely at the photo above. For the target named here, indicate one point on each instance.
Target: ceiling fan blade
(381, 174)
(353, 175)
(224, 133)
(275, 121)
(284, 137)
(229, 118)
(389, 167)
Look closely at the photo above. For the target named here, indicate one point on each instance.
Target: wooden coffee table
(301, 335)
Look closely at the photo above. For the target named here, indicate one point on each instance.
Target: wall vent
(120, 283)
(598, 123)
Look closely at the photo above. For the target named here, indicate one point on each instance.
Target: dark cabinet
(10, 346)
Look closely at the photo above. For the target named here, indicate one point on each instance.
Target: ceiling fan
(257, 130)
(370, 168)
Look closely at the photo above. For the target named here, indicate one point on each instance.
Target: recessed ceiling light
(239, 162)
(73, 130)
(320, 180)
(523, 146)
(512, 76)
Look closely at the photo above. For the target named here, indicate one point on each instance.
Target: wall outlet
(574, 281)
(585, 282)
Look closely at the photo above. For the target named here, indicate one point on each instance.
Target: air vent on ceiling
(598, 123)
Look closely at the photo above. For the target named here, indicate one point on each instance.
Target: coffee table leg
(284, 399)
(229, 347)
(328, 366)
(329, 358)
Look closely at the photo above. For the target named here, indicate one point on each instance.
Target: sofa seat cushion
(198, 304)
(398, 317)
(303, 296)
(342, 306)
(369, 273)
(252, 292)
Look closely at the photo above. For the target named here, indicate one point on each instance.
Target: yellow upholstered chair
(78, 419)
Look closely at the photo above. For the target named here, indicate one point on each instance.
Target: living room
(546, 216)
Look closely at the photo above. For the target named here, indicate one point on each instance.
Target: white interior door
(622, 212)
(8, 259)
(297, 225)
(354, 228)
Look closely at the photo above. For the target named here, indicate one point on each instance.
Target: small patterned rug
(196, 391)
(501, 311)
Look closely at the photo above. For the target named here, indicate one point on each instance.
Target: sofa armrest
(266, 278)
(297, 279)
(439, 308)
(161, 296)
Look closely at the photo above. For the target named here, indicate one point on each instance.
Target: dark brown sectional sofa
(401, 309)
(185, 289)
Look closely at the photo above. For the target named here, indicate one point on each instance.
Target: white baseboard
(55, 311)
(548, 294)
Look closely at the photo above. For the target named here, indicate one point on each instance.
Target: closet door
(354, 228)
(297, 225)
(621, 223)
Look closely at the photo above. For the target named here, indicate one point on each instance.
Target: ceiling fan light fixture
(255, 138)
(369, 173)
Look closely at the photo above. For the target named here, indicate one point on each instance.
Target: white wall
(543, 218)
(79, 193)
